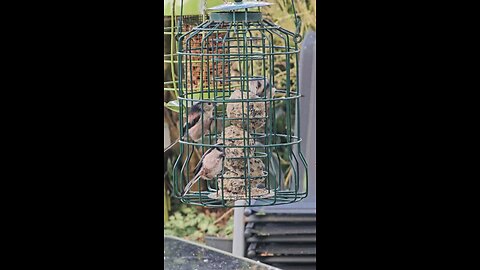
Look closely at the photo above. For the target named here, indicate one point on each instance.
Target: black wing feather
(199, 165)
(194, 121)
(197, 168)
(194, 109)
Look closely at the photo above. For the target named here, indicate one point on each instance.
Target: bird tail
(171, 145)
(190, 184)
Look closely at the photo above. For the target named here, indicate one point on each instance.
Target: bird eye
(209, 103)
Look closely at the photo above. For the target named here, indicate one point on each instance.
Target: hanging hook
(298, 25)
(180, 21)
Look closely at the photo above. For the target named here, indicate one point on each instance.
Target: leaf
(212, 229)
(203, 225)
(197, 235)
(228, 230)
(186, 210)
(168, 232)
(190, 223)
(191, 230)
(172, 105)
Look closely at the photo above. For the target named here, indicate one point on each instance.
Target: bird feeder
(239, 52)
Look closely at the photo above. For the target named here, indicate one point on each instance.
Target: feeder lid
(240, 5)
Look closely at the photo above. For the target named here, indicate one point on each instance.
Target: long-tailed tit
(209, 166)
(257, 87)
(263, 90)
(194, 124)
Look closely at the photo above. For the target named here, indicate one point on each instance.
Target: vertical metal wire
(214, 56)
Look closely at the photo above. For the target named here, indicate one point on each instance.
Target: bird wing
(199, 165)
(197, 168)
(192, 120)
(194, 115)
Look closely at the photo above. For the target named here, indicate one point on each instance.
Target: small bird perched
(194, 124)
(256, 87)
(209, 166)
(263, 89)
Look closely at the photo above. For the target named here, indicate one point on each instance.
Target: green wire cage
(192, 13)
(237, 61)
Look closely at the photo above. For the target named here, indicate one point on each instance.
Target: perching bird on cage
(194, 124)
(209, 166)
(257, 87)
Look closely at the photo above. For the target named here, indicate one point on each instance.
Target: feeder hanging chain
(180, 21)
(298, 25)
(298, 37)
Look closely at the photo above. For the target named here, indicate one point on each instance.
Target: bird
(209, 166)
(193, 123)
(262, 89)
(257, 88)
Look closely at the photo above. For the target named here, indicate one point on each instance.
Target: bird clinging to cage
(257, 87)
(263, 91)
(209, 166)
(194, 125)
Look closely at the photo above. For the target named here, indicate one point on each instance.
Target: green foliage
(227, 231)
(188, 223)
